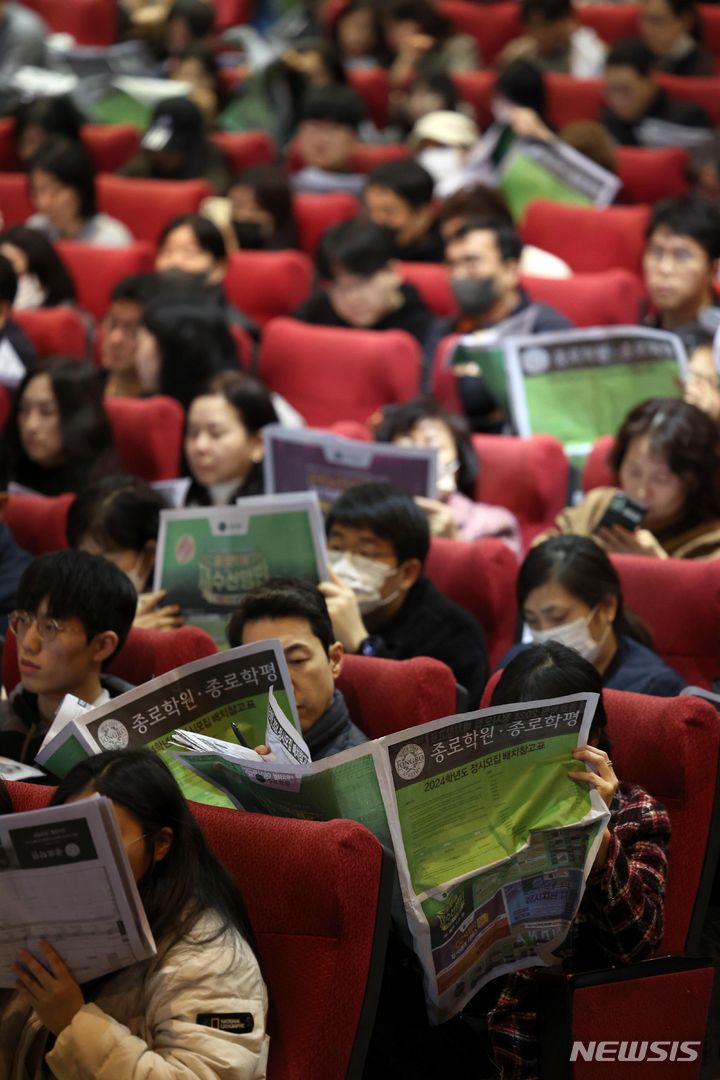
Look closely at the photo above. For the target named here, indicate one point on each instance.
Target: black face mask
(474, 296)
(249, 235)
(183, 279)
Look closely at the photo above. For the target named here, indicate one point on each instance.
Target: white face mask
(30, 293)
(575, 635)
(365, 577)
(440, 161)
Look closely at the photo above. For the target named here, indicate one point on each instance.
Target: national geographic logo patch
(235, 1023)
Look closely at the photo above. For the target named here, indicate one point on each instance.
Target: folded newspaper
(65, 877)
(493, 841)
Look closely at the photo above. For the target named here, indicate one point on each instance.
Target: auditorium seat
(90, 22)
(611, 22)
(596, 471)
(705, 92)
(145, 206)
(314, 213)
(265, 284)
(37, 522)
(373, 86)
(570, 99)
(57, 331)
(245, 148)
(110, 145)
(385, 696)
(148, 435)
(365, 157)
(476, 87)
(710, 22)
(649, 174)
(96, 275)
(587, 238)
(231, 13)
(14, 199)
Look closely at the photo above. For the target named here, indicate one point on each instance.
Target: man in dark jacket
(74, 613)
(380, 602)
(295, 612)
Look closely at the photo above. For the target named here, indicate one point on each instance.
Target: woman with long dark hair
(155, 1017)
(43, 279)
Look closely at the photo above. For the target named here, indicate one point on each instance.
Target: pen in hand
(239, 735)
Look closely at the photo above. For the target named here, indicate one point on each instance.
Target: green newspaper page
(535, 169)
(208, 558)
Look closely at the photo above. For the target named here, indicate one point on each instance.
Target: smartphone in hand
(624, 511)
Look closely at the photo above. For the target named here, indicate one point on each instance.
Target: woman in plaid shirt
(620, 920)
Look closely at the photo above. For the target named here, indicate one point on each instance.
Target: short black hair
(205, 231)
(8, 281)
(118, 512)
(632, 53)
(391, 514)
(429, 18)
(199, 15)
(282, 598)
(269, 184)
(135, 289)
(552, 670)
(44, 262)
(407, 179)
(689, 215)
(54, 115)
(357, 246)
(71, 165)
(247, 395)
(548, 10)
(339, 104)
(506, 236)
(80, 586)
(522, 83)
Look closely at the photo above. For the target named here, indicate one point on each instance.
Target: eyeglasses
(680, 257)
(47, 628)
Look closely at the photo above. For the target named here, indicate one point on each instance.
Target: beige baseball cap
(447, 128)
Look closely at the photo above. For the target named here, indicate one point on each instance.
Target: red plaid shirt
(620, 921)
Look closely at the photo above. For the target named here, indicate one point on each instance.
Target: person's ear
(5, 309)
(217, 275)
(104, 645)
(336, 654)
(408, 573)
(511, 273)
(257, 448)
(162, 843)
(607, 609)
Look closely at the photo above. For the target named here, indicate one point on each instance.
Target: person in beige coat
(195, 1010)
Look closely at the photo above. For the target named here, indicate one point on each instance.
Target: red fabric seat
(245, 148)
(710, 21)
(318, 900)
(607, 298)
(146, 206)
(476, 87)
(148, 435)
(385, 696)
(570, 99)
(331, 374)
(373, 86)
(705, 92)
(597, 472)
(492, 25)
(14, 199)
(110, 145)
(316, 213)
(480, 577)
(432, 281)
(97, 273)
(610, 21)
(91, 22)
(651, 174)
(9, 161)
(365, 157)
(588, 239)
(529, 476)
(265, 284)
(38, 523)
(58, 331)
(231, 13)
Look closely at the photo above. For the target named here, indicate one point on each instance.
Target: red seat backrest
(14, 199)
(37, 523)
(145, 655)
(529, 476)
(9, 161)
(690, 640)
(148, 435)
(610, 21)
(433, 283)
(365, 157)
(245, 148)
(265, 284)
(231, 13)
(480, 577)
(710, 22)
(316, 213)
(91, 22)
(597, 471)
(146, 206)
(492, 25)
(608, 298)
(58, 331)
(331, 374)
(373, 86)
(705, 92)
(385, 696)
(317, 898)
(476, 87)
(110, 145)
(570, 99)
(588, 239)
(96, 273)
(649, 174)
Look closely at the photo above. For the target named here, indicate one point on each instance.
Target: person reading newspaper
(620, 920)
(74, 612)
(295, 612)
(195, 1009)
(380, 601)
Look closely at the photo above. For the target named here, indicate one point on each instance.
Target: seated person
(58, 436)
(399, 196)
(326, 141)
(703, 170)
(186, 23)
(427, 94)
(295, 613)
(666, 457)
(422, 41)
(17, 352)
(42, 118)
(442, 142)
(356, 32)
(152, 1010)
(483, 262)
(621, 915)
(43, 279)
(118, 517)
(553, 39)
(454, 514)
(175, 147)
(61, 180)
(639, 112)
(74, 612)
(13, 561)
(568, 591)
(197, 66)
(380, 602)
(363, 289)
(223, 439)
(680, 263)
(702, 385)
(261, 208)
(672, 29)
(119, 332)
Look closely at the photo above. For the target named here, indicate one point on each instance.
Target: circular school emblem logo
(185, 549)
(112, 735)
(72, 851)
(410, 761)
(536, 361)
